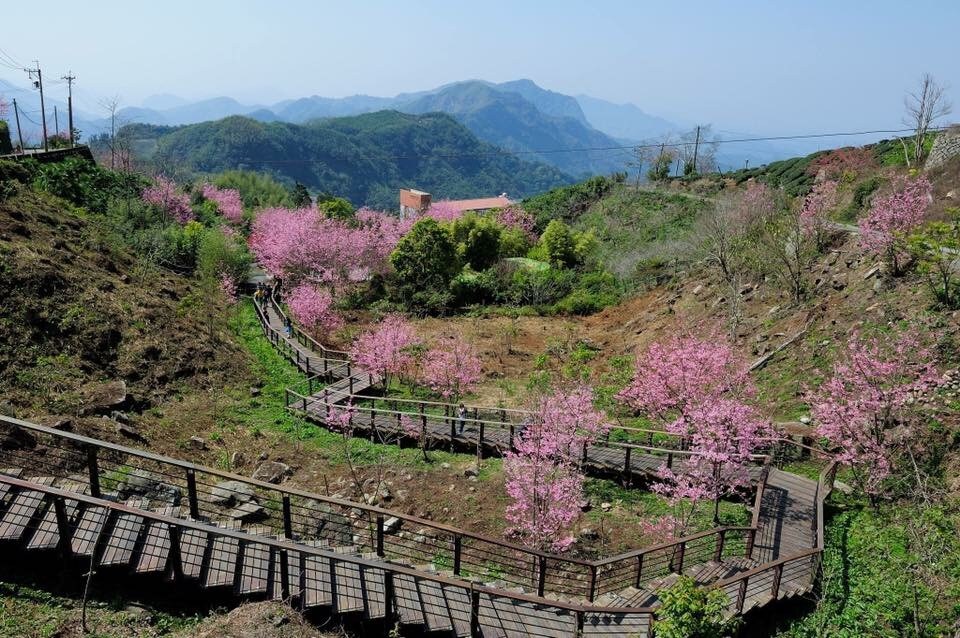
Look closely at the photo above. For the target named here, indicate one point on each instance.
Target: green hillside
(365, 158)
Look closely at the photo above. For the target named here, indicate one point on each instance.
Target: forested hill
(365, 158)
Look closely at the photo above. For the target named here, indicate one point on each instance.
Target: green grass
(27, 611)
(267, 412)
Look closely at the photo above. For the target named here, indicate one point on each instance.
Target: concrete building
(414, 202)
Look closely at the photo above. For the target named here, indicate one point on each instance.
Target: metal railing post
(287, 518)
(541, 575)
(94, 471)
(192, 494)
(176, 561)
(475, 631)
(63, 526)
(639, 571)
(457, 552)
(721, 538)
(380, 536)
(593, 583)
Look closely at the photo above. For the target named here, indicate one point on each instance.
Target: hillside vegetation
(365, 158)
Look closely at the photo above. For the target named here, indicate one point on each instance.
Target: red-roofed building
(414, 202)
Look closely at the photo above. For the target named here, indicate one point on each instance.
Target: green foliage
(335, 207)
(357, 157)
(888, 573)
(478, 240)
(936, 247)
(558, 244)
(300, 196)
(218, 254)
(14, 172)
(567, 202)
(424, 263)
(594, 292)
(5, 144)
(861, 192)
(513, 243)
(257, 190)
(85, 184)
(688, 611)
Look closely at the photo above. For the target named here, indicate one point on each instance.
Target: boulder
(391, 525)
(228, 493)
(271, 471)
(103, 398)
(57, 422)
(236, 459)
(139, 482)
(249, 512)
(16, 439)
(327, 523)
(197, 443)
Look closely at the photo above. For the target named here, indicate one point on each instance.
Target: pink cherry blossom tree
(443, 211)
(514, 216)
(227, 200)
(543, 477)
(313, 308)
(452, 369)
(885, 228)
(814, 214)
(164, 195)
(385, 351)
(869, 409)
(697, 389)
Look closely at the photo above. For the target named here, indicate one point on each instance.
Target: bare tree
(112, 105)
(699, 150)
(923, 108)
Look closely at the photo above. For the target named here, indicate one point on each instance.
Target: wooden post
(681, 551)
(511, 438)
(176, 562)
(626, 465)
(741, 595)
(751, 539)
(192, 494)
(388, 601)
(593, 583)
(475, 631)
(670, 460)
(583, 455)
(457, 551)
(480, 438)
(94, 471)
(721, 537)
(287, 518)
(351, 385)
(639, 571)
(302, 585)
(777, 575)
(380, 536)
(542, 575)
(63, 526)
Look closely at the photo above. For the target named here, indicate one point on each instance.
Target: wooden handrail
(284, 544)
(683, 540)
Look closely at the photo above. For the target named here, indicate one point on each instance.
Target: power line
(617, 148)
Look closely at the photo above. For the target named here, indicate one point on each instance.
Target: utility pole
(16, 114)
(696, 148)
(70, 77)
(43, 111)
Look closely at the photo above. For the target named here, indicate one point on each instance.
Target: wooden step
(155, 550)
(88, 529)
(47, 535)
(317, 581)
(25, 506)
(407, 599)
(220, 567)
(458, 601)
(123, 537)
(193, 546)
(636, 626)
(374, 592)
(348, 586)
(434, 605)
(255, 564)
(15, 472)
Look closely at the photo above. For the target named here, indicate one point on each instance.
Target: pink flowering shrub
(228, 287)
(164, 195)
(227, 200)
(385, 350)
(443, 211)
(516, 217)
(543, 478)
(868, 410)
(891, 218)
(312, 307)
(453, 369)
(814, 215)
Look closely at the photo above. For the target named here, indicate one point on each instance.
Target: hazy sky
(767, 67)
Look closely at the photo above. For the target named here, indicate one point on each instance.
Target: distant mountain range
(365, 158)
(519, 116)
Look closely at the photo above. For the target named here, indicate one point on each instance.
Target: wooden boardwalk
(155, 516)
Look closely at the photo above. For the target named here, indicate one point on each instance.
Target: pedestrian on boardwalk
(462, 416)
(287, 327)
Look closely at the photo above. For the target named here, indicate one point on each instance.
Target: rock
(57, 422)
(255, 392)
(249, 512)
(805, 420)
(605, 506)
(236, 459)
(838, 282)
(326, 522)
(127, 430)
(589, 534)
(391, 525)
(228, 493)
(7, 409)
(698, 289)
(140, 482)
(773, 310)
(445, 466)
(197, 443)
(120, 417)
(262, 457)
(102, 398)
(833, 257)
(842, 487)
(471, 471)
(873, 271)
(271, 471)
(746, 288)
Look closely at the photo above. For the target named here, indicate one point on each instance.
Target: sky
(772, 67)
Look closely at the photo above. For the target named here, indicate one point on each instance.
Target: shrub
(594, 292)
(424, 263)
(85, 184)
(6, 146)
(539, 287)
(688, 611)
(558, 244)
(477, 239)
